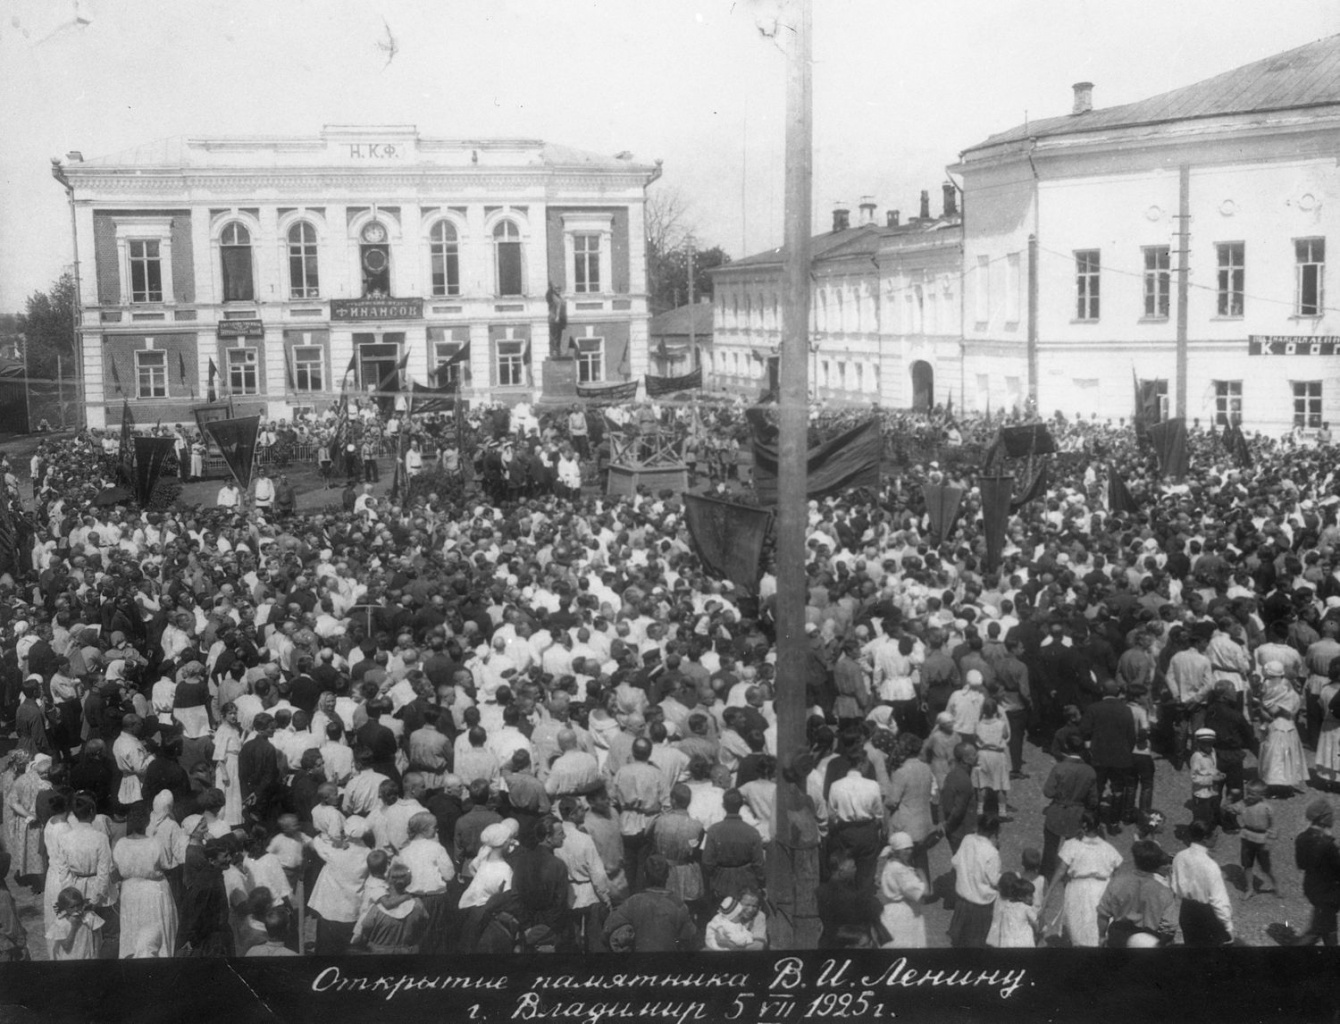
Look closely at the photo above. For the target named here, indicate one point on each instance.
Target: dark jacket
(1318, 858)
(1071, 787)
(1109, 726)
(958, 804)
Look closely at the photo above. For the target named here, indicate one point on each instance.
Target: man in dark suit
(260, 773)
(958, 798)
(1071, 787)
(379, 739)
(1318, 857)
(1109, 727)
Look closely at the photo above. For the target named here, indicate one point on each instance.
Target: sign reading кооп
(1293, 345)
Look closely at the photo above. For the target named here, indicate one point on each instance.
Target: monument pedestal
(558, 382)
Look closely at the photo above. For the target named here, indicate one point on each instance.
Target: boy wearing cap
(1206, 779)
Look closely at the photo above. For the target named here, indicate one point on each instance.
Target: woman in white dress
(227, 746)
(1087, 863)
(901, 887)
(148, 913)
(57, 825)
(24, 837)
(1327, 764)
(1283, 763)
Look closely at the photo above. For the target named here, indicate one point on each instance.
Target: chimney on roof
(951, 199)
(925, 213)
(867, 210)
(841, 217)
(1083, 97)
(892, 218)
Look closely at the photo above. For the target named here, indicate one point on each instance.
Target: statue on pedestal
(558, 320)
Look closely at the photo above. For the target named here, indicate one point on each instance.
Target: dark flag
(288, 370)
(608, 394)
(1118, 495)
(1146, 404)
(728, 537)
(9, 549)
(657, 386)
(237, 441)
(126, 452)
(1036, 489)
(458, 357)
(150, 454)
(1030, 439)
(848, 461)
(212, 395)
(1235, 444)
(181, 369)
(1169, 439)
(385, 383)
(116, 377)
(424, 399)
(942, 503)
(997, 492)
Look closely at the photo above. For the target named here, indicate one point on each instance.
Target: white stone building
(1180, 238)
(285, 261)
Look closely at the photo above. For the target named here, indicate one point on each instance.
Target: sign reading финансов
(1293, 345)
(376, 309)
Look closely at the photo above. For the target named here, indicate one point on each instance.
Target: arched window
(302, 276)
(507, 258)
(235, 248)
(444, 249)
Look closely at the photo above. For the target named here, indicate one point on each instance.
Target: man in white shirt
(1206, 916)
(857, 807)
(229, 496)
(977, 874)
(265, 491)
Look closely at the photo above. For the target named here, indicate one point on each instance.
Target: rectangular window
(243, 375)
(509, 268)
(1227, 402)
(511, 364)
(151, 373)
(590, 360)
(1013, 287)
(1158, 282)
(309, 367)
(1086, 284)
(444, 350)
(1307, 404)
(146, 271)
(1310, 257)
(1232, 277)
(586, 263)
(982, 289)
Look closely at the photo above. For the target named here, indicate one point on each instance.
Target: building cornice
(247, 181)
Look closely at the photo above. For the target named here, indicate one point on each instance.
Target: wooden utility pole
(793, 861)
(693, 340)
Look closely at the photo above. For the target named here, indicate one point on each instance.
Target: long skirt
(25, 846)
(905, 924)
(1328, 751)
(971, 924)
(1081, 910)
(1283, 762)
(1201, 925)
(148, 918)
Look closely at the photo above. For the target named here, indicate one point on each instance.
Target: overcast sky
(900, 86)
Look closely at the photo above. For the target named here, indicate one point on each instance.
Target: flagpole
(793, 868)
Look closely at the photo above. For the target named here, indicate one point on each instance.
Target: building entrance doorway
(923, 386)
(378, 368)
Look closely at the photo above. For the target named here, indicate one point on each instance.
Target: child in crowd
(376, 885)
(326, 816)
(76, 931)
(1071, 727)
(1206, 779)
(1031, 859)
(1015, 921)
(1257, 822)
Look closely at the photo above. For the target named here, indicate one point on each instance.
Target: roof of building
(864, 239)
(1308, 76)
(181, 151)
(676, 321)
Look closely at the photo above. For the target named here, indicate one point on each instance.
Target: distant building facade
(1181, 239)
(289, 261)
(884, 312)
(680, 340)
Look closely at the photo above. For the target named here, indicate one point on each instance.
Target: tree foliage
(670, 232)
(47, 325)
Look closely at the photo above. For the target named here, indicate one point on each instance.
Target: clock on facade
(374, 234)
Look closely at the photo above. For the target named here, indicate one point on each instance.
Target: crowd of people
(517, 715)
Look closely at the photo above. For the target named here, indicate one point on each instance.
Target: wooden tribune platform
(650, 460)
